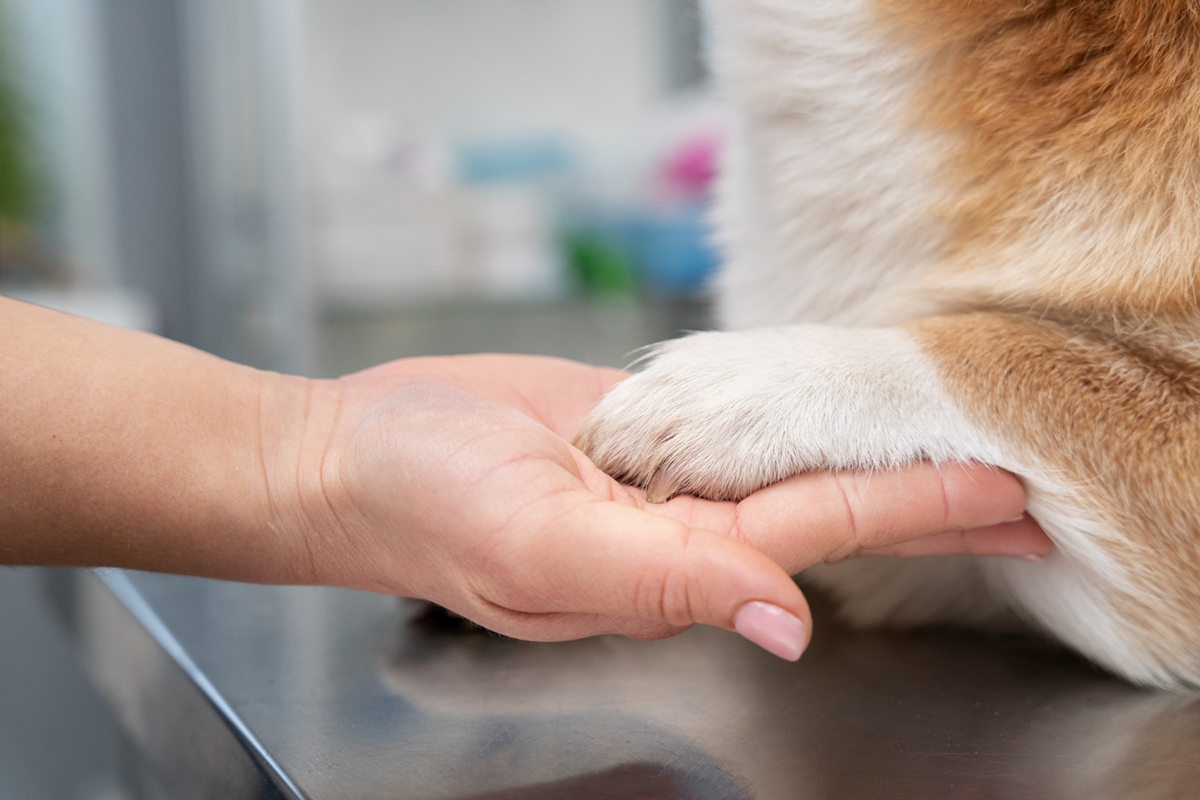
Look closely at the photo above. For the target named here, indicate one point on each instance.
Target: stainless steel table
(230, 691)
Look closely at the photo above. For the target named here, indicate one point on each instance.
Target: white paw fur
(722, 414)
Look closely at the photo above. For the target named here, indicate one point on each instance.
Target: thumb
(600, 558)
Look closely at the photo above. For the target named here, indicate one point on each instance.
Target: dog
(958, 230)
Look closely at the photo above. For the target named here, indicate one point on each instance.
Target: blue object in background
(513, 161)
(660, 247)
(672, 250)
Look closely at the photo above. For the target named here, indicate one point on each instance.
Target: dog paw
(721, 415)
(708, 417)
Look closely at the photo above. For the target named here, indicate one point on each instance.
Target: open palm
(452, 479)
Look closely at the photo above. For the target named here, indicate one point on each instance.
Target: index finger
(826, 516)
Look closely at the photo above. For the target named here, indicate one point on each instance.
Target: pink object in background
(691, 167)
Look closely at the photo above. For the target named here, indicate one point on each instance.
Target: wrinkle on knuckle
(666, 593)
(738, 530)
(852, 542)
(642, 605)
(946, 514)
(681, 610)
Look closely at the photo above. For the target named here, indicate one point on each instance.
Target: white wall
(473, 68)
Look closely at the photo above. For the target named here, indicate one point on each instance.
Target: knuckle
(851, 543)
(944, 490)
(669, 595)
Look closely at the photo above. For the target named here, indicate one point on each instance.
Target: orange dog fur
(978, 222)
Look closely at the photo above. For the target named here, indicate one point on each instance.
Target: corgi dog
(958, 230)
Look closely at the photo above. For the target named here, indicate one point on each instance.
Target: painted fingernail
(778, 632)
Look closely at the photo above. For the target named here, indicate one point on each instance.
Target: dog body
(959, 230)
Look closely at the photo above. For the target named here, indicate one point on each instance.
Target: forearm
(447, 479)
(124, 449)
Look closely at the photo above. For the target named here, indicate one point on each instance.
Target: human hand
(448, 479)
(452, 480)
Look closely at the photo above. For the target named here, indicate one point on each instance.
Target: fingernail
(1014, 519)
(777, 631)
(1033, 558)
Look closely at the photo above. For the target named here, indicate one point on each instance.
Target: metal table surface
(234, 691)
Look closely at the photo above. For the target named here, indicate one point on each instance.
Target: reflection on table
(335, 694)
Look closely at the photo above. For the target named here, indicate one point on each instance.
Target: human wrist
(224, 521)
(298, 420)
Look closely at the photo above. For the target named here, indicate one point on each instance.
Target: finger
(596, 557)
(1023, 538)
(819, 517)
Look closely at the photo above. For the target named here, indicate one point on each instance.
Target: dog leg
(1105, 436)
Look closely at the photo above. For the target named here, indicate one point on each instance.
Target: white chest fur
(823, 208)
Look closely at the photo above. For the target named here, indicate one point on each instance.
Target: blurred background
(317, 186)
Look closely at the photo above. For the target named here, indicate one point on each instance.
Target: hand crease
(669, 580)
(945, 499)
(736, 530)
(519, 510)
(851, 522)
(329, 504)
(262, 455)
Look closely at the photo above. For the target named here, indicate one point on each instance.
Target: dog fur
(959, 230)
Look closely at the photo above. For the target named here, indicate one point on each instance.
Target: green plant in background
(18, 179)
(600, 263)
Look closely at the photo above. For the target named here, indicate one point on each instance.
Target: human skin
(447, 479)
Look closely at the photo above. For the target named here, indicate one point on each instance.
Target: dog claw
(662, 487)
